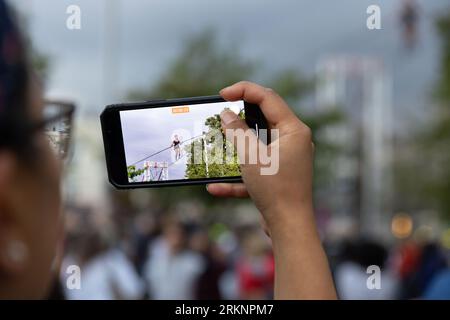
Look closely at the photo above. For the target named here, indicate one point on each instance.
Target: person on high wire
(176, 147)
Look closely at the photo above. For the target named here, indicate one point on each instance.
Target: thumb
(239, 134)
(231, 120)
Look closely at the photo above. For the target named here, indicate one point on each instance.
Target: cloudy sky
(101, 62)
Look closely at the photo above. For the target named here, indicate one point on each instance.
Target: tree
(209, 166)
(423, 182)
(133, 172)
(443, 85)
(436, 141)
(202, 68)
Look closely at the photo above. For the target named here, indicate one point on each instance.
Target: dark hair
(364, 252)
(15, 122)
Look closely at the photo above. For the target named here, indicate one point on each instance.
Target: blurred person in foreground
(172, 268)
(144, 233)
(351, 273)
(30, 230)
(107, 273)
(255, 267)
(439, 287)
(30, 201)
(429, 262)
(207, 285)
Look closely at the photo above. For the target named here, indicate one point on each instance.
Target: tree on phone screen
(209, 166)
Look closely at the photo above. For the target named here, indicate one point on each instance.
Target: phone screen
(174, 143)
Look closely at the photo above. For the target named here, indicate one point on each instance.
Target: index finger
(237, 190)
(272, 105)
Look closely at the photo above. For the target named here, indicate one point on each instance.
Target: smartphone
(172, 142)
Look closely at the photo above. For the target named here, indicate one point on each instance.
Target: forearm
(301, 266)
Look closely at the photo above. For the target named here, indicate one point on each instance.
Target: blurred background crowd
(377, 101)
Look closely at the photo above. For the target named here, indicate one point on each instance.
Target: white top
(172, 276)
(107, 276)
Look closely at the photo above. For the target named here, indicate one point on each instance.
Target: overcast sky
(147, 34)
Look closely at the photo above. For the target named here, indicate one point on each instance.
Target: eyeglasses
(57, 126)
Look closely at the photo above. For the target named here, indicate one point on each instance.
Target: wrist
(291, 223)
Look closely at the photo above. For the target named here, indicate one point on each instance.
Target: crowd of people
(409, 269)
(167, 257)
(164, 257)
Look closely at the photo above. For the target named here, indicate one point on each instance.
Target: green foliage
(325, 152)
(443, 86)
(290, 85)
(202, 68)
(133, 172)
(208, 167)
(427, 177)
(437, 140)
(40, 64)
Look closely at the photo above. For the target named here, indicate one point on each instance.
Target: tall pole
(111, 50)
(205, 154)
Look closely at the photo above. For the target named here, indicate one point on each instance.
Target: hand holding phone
(285, 198)
(173, 142)
(291, 186)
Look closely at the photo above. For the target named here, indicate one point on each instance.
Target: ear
(13, 249)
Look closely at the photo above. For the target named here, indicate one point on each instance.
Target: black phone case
(109, 152)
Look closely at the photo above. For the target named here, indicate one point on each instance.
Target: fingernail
(228, 116)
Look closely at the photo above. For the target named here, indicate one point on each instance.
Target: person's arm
(285, 198)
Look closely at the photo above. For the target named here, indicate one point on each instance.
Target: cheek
(49, 176)
(42, 231)
(47, 210)
(50, 191)
(52, 183)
